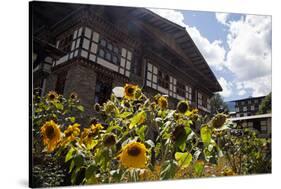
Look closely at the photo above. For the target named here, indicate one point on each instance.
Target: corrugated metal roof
(250, 117)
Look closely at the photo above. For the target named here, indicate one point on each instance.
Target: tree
(217, 104)
(265, 106)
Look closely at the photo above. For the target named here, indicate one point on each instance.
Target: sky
(237, 48)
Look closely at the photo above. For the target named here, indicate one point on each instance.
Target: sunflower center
(52, 96)
(68, 134)
(50, 132)
(134, 151)
(130, 91)
(110, 140)
(182, 107)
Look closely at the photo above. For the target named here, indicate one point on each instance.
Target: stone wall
(50, 83)
(82, 80)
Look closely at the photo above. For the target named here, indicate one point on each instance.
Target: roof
(249, 98)
(251, 117)
(184, 41)
(200, 68)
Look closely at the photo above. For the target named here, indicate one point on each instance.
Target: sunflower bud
(182, 107)
(218, 120)
(97, 107)
(109, 140)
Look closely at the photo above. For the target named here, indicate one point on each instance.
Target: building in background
(259, 123)
(245, 107)
(101, 47)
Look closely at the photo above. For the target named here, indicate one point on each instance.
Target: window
(204, 101)
(245, 108)
(180, 89)
(252, 107)
(61, 77)
(163, 79)
(103, 89)
(65, 43)
(237, 109)
(109, 51)
(263, 126)
(136, 66)
(188, 93)
(200, 102)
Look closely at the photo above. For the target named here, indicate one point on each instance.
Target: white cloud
(226, 86)
(259, 86)
(222, 18)
(213, 52)
(172, 15)
(242, 92)
(249, 40)
(249, 56)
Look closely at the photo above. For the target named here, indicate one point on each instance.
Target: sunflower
(182, 107)
(133, 155)
(193, 115)
(52, 95)
(130, 91)
(162, 102)
(97, 107)
(109, 140)
(71, 133)
(86, 137)
(51, 134)
(109, 107)
(218, 120)
(73, 96)
(95, 128)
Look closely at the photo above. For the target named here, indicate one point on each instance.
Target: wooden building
(246, 107)
(259, 123)
(106, 46)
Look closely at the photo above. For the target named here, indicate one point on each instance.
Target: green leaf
(72, 119)
(198, 167)
(78, 160)
(141, 132)
(124, 115)
(181, 139)
(183, 159)
(69, 154)
(71, 166)
(168, 169)
(170, 115)
(58, 106)
(206, 134)
(150, 143)
(138, 119)
(90, 171)
(182, 146)
(81, 108)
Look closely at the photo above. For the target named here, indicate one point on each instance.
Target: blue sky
(236, 46)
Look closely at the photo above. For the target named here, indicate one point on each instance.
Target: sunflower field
(134, 138)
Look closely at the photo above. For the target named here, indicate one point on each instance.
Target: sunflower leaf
(138, 119)
(81, 108)
(183, 159)
(90, 170)
(150, 143)
(206, 134)
(69, 154)
(168, 169)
